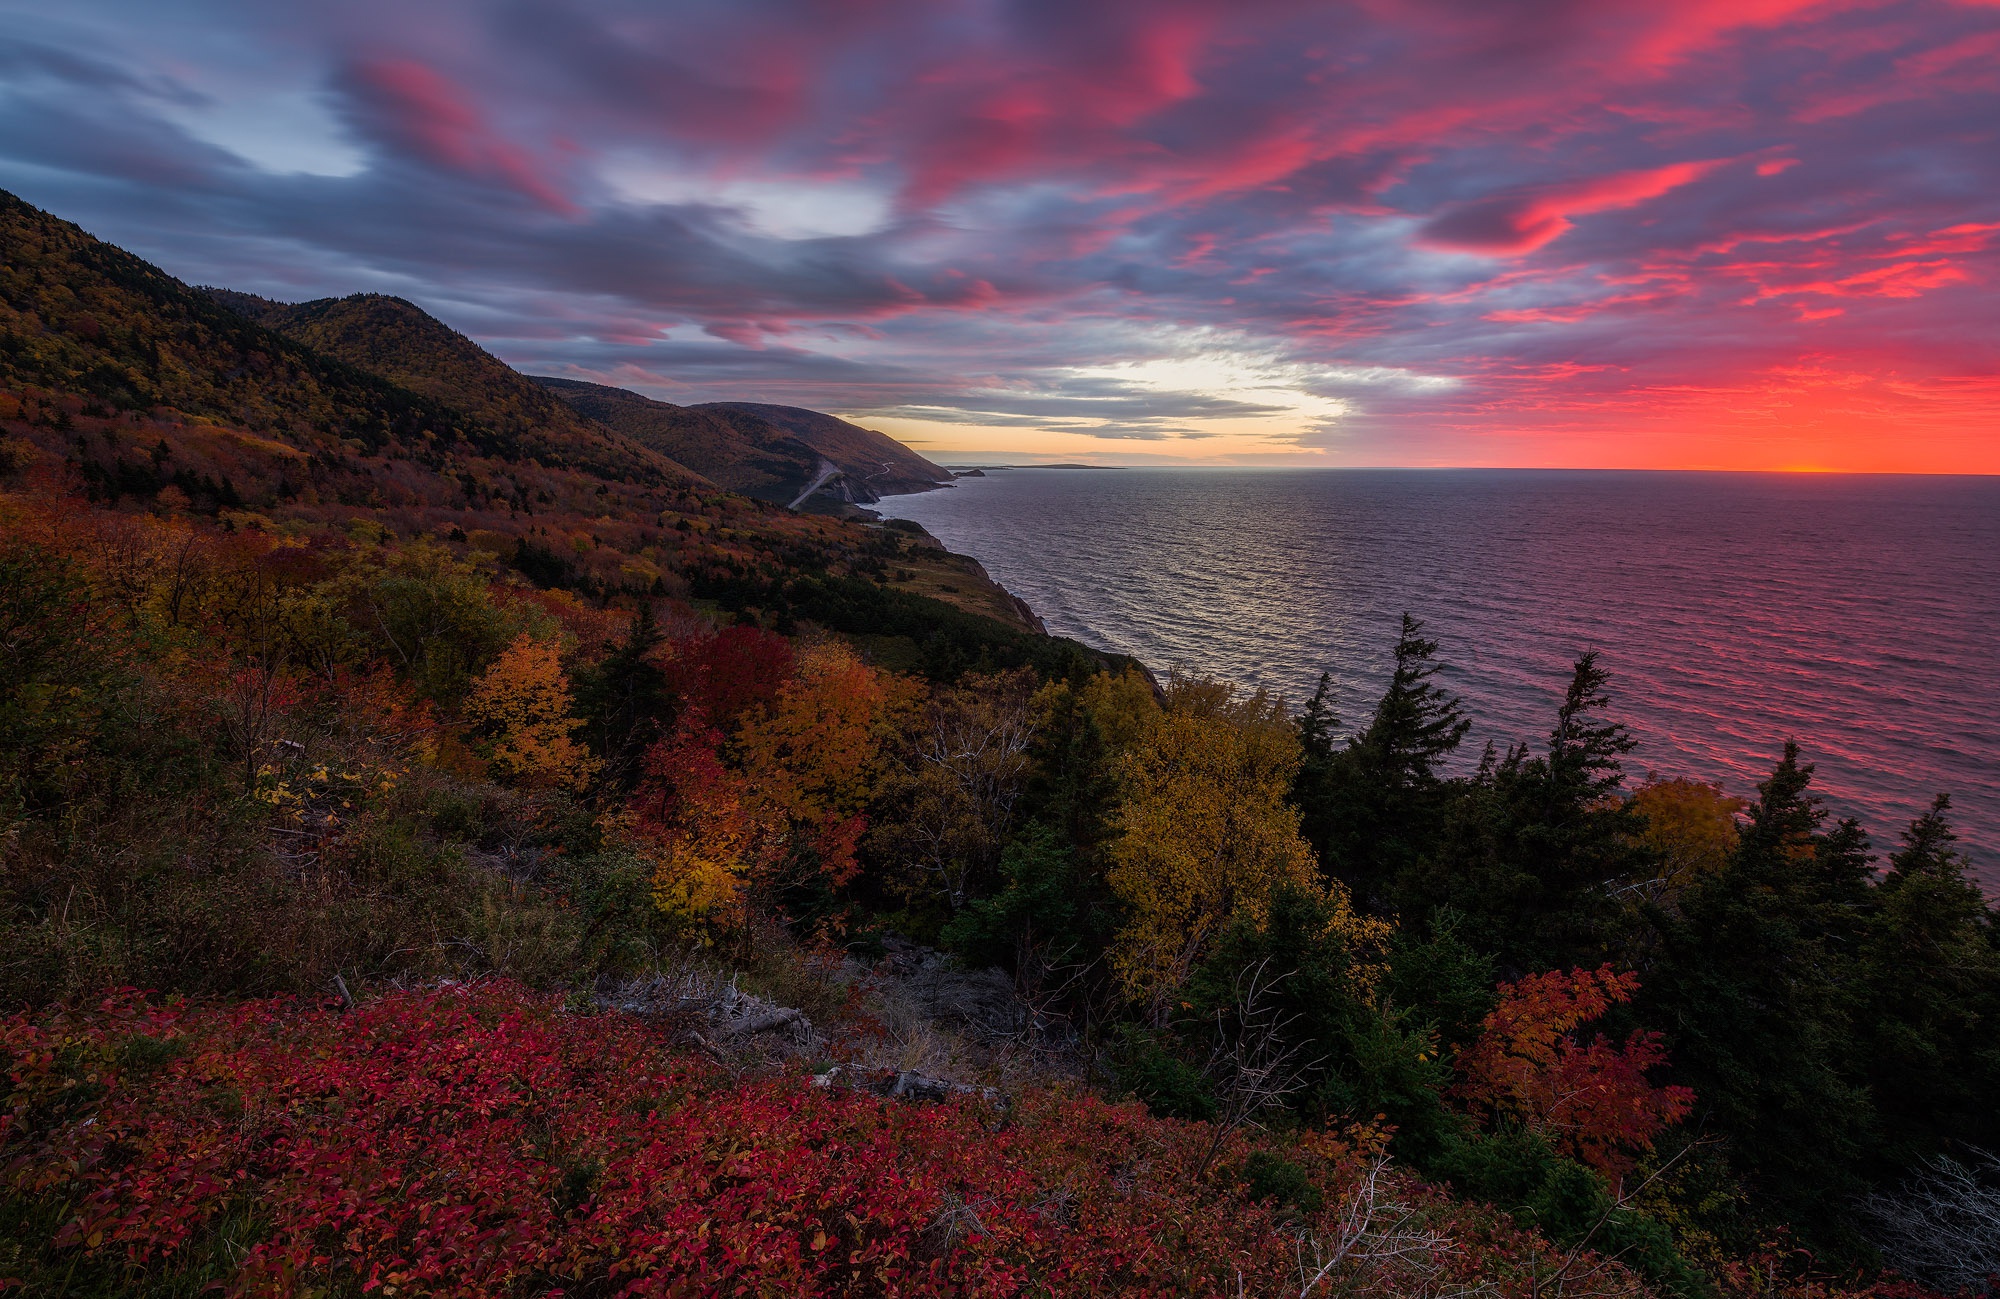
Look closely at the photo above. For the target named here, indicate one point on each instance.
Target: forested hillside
(398, 341)
(754, 457)
(433, 860)
(876, 464)
(772, 452)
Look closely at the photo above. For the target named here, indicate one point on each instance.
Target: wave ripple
(1859, 615)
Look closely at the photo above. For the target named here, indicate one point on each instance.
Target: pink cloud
(1512, 224)
(436, 120)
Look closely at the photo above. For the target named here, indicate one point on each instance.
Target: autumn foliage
(1592, 1100)
(437, 698)
(478, 1141)
(1206, 834)
(524, 700)
(763, 780)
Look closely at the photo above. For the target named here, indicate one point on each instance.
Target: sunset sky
(1697, 233)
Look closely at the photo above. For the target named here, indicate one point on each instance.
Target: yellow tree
(523, 703)
(1122, 705)
(1692, 825)
(719, 814)
(811, 752)
(1205, 832)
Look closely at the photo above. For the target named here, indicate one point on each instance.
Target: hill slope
(404, 344)
(747, 455)
(83, 317)
(121, 384)
(875, 464)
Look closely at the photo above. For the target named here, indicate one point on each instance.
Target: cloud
(1395, 232)
(1512, 224)
(413, 109)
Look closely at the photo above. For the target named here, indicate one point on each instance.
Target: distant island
(969, 471)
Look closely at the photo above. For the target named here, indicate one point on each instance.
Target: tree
(1205, 832)
(1371, 810)
(1072, 783)
(1755, 986)
(956, 772)
(626, 699)
(523, 703)
(773, 804)
(1418, 724)
(1942, 1227)
(1046, 922)
(1932, 979)
(1591, 1102)
(1324, 966)
(1539, 850)
(1691, 826)
(724, 673)
(431, 615)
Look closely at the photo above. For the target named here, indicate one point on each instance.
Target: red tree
(1593, 1102)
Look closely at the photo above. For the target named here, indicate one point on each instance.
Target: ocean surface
(1859, 615)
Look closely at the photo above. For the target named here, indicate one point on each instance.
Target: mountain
(122, 385)
(746, 455)
(873, 464)
(406, 345)
(772, 452)
(80, 316)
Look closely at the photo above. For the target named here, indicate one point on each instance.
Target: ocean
(1858, 615)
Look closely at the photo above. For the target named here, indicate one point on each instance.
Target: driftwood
(731, 1012)
(902, 1084)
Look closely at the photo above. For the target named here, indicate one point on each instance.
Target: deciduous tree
(523, 702)
(1205, 832)
(1591, 1101)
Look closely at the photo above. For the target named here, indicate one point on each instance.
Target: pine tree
(1756, 988)
(1933, 1001)
(1372, 809)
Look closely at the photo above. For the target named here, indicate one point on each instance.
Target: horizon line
(1795, 472)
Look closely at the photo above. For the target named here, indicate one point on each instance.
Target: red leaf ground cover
(480, 1141)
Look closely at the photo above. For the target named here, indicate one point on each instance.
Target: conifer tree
(1418, 723)
(1927, 1032)
(1539, 849)
(626, 699)
(1372, 809)
(1755, 989)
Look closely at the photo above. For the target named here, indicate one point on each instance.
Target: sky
(1740, 234)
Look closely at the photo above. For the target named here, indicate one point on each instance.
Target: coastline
(957, 580)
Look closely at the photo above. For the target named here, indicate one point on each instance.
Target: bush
(475, 1141)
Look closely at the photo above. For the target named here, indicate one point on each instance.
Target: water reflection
(1856, 614)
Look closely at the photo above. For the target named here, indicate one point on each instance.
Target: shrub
(477, 1141)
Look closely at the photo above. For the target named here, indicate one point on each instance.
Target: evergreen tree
(1371, 810)
(1357, 1056)
(1539, 849)
(1315, 789)
(626, 700)
(1071, 788)
(1418, 723)
(1755, 989)
(1927, 1035)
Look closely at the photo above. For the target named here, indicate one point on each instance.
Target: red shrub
(723, 674)
(479, 1142)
